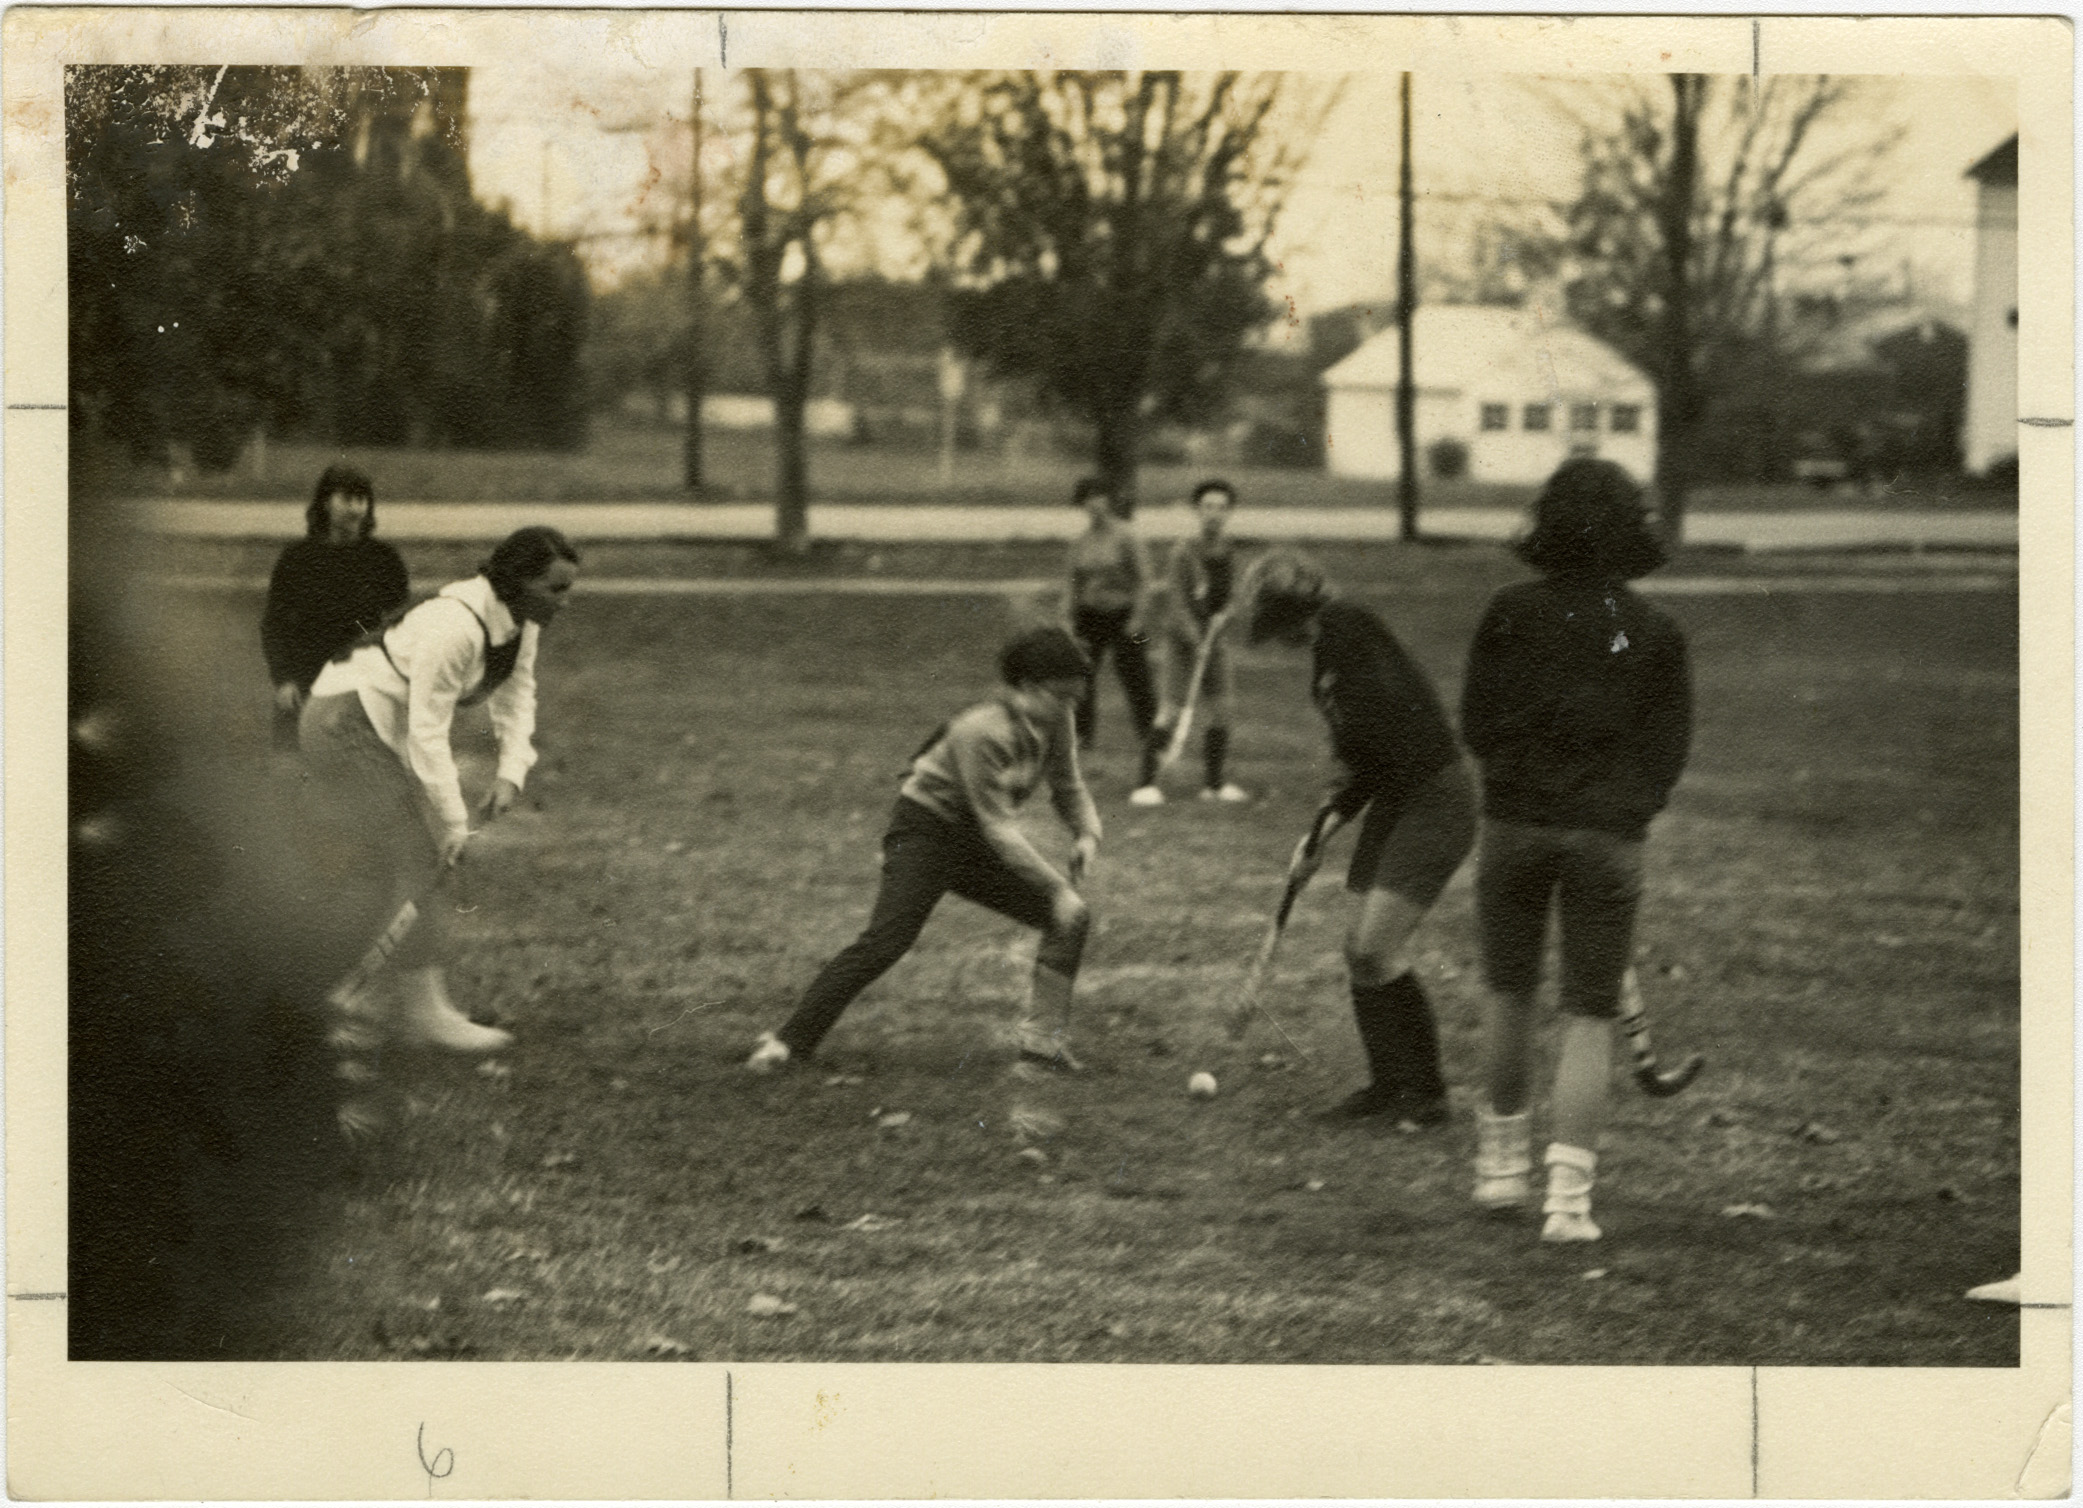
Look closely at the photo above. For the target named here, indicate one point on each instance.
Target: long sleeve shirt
(1107, 569)
(321, 598)
(1387, 726)
(1578, 703)
(990, 758)
(1198, 583)
(432, 660)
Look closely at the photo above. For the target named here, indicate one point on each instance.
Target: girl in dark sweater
(1578, 704)
(1406, 773)
(329, 588)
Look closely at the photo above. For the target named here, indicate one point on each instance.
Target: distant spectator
(1200, 579)
(1109, 579)
(329, 588)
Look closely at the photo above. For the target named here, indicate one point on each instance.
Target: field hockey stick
(1634, 1018)
(351, 992)
(1248, 1001)
(1176, 744)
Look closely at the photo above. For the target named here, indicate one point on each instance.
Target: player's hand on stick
(1082, 853)
(499, 800)
(1066, 907)
(287, 697)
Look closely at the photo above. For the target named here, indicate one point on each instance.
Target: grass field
(630, 463)
(1831, 918)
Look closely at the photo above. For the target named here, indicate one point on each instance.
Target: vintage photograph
(757, 704)
(579, 576)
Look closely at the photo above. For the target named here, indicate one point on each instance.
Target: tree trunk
(1678, 394)
(1120, 432)
(697, 373)
(791, 472)
(798, 319)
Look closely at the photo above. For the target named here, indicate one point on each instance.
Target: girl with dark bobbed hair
(956, 828)
(1578, 705)
(328, 589)
(1589, 525)
(376, 735)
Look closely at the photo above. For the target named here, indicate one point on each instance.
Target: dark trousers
(924, 857)
(1099, 630)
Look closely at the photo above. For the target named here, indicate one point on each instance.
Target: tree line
(296, 252)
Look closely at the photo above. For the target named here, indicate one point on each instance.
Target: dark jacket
(1578, 703)
(1387, 726)
(321, 598)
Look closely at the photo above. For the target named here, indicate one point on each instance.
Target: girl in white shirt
(376, 733)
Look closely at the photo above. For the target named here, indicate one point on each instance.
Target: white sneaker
(1565, 1225)
(2010, 1290)
(1229, 790)
(1146, 795)
(769, 1054)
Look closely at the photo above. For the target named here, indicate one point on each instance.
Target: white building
(1990, 431)
(1520, 389)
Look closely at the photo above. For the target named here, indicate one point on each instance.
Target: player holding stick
(1578, 704)
(1406, 773)
(1194, 663)
(376, 734)
(955, 829)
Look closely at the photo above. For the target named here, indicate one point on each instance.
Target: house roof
(2000, 168)
(1507, 352)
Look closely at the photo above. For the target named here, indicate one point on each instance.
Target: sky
(580, 152)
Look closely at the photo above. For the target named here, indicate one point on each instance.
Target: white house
(1990, 431)
(1519, 388)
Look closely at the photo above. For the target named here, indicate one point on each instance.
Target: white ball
(1201, 1086)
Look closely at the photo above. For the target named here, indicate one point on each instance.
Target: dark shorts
(1593, 878)
(1414, 849)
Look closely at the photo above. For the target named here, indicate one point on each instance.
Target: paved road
(1820, 529)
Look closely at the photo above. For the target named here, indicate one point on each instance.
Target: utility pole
(697, 375)
(1406, 303)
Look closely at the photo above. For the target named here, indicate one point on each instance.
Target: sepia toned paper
(607, 1431)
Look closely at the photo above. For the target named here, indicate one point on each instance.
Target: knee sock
(1414, 1035)
(1503, 1158)
(1215, 749)
(1571, 1173)
(1374, 1014)
(1153, 750)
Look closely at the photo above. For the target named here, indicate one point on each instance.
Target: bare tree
(1110, 235)
(808, 151)
(1698, 194)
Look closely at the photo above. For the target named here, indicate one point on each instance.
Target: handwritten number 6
(443, 1463)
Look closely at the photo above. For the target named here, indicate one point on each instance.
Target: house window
(1626, 418)
(1583, 416)
(1497, 416)
(1535, 416)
